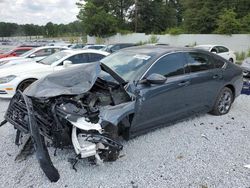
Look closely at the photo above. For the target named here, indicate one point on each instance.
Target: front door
(161, 104)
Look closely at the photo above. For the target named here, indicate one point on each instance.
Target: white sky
(38, 11)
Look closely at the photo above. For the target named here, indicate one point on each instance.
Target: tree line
(48, 30)
(107, 17)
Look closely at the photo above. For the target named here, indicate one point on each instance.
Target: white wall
(238, 42)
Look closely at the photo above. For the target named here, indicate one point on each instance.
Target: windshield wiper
(113, 73)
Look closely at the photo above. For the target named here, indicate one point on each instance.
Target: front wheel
(23, 85)
(223, 102)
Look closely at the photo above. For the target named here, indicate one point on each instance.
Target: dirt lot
(204, 151)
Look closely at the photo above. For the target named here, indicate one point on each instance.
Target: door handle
(215, 76)
(184, 83)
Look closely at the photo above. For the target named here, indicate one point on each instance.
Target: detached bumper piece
(21, 115)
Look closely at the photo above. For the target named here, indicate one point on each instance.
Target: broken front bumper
(88, 139)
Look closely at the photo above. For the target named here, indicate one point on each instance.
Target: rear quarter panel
(233, 76)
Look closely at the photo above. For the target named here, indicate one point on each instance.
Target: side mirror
(214, 52)
(32, 56)
(156, 79)
(14, 54)
(67, 63)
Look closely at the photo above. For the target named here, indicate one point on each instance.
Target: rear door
(205, 80)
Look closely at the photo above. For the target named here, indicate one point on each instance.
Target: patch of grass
(141, 43)
(240, 56)
(248, 53)
(124, 32)
(99, 40)
(192, 45)
(174, 31)
(153, 39)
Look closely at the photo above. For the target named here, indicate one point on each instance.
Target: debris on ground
(247, 166)
(204, 136)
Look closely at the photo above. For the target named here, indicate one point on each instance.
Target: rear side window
(79, 58)
(115, 48)
(218, 63)
(198, 62)
(95, 57)
(170, 65)
(46, 52)
(221, 49)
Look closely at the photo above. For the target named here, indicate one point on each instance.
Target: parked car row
(35, 54)
(88, 98)
(15, 52)
(111, 48)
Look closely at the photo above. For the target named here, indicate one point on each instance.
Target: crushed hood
(72, 81)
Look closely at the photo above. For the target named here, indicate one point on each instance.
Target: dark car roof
(158, 50)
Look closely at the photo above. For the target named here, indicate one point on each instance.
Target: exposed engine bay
(67, 120)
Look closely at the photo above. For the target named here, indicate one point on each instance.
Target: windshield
(28, 53)
(108, 47)
(9, 52)
(54, 57)
(126, 64)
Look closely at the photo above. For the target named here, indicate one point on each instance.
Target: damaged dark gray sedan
(126, 94)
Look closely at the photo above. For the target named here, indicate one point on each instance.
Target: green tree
(8, 29)
(200, 16)
(51, 30)
(153, 16)
(245, 24)
(227, 23)
(97, 21)
(119, 9)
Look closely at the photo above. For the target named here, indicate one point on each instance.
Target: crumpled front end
(87, 121)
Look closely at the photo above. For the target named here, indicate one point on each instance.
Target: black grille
(17, 115)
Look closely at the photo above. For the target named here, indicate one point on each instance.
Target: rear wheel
(23, 85)
(223, 102)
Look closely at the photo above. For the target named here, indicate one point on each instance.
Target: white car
(219, 50)
(35, 54)
(20, 76)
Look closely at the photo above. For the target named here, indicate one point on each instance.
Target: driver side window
(169, 65)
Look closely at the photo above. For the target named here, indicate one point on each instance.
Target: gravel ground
(205, 151)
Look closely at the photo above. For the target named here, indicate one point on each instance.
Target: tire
(223, 102)
(111, 155)
(24, 84)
